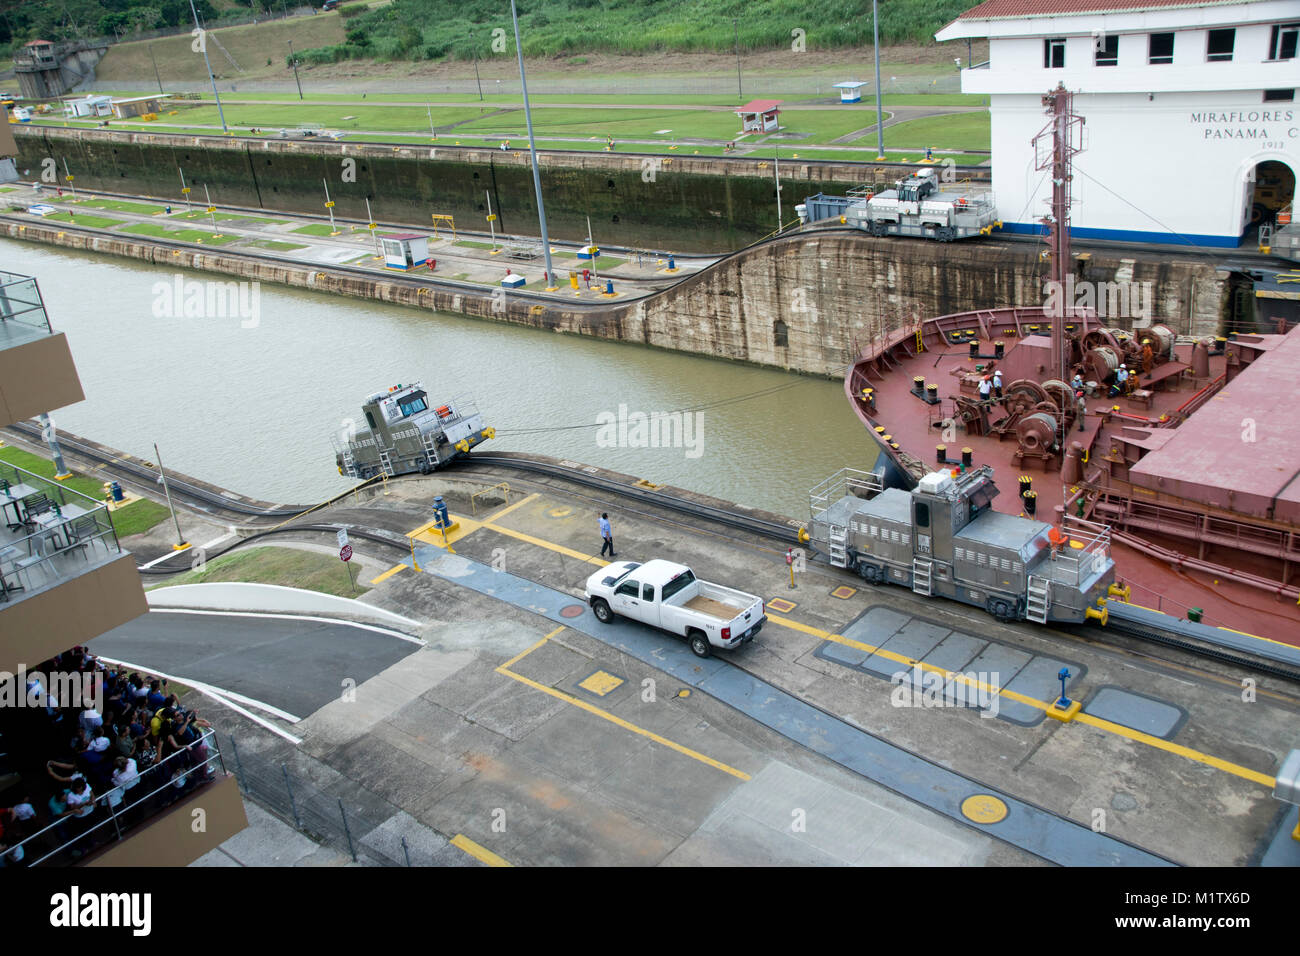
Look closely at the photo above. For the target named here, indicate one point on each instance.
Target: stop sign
(345, 552)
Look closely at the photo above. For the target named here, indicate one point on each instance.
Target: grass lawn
(137, 517)
(289, 567)
(954, 131)
(117, 205)
(317, 229)
(181, 235)
(470, 244)
(276, 245)
(86, 219)
(572, 262)
(232, 217)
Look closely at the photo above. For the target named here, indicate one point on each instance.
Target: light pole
(155, 68)
(294, 60)
(203, 44)
(880, 96)
(735, 27)
(532, 152)
(181, 544)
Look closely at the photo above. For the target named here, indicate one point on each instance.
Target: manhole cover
(984, 808)
(572, 610)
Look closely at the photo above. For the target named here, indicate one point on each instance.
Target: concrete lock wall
(676, 203)
(832, 291)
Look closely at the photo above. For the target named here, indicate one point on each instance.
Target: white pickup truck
(669, 596)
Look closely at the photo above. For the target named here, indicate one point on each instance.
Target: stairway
(386, 462)
(837, 538)
(1040, 599)
(921, 576)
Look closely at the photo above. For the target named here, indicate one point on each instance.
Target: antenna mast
(1054, 148)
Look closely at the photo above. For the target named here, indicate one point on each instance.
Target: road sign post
(345, 555)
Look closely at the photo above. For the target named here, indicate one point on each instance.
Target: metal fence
(324, 817)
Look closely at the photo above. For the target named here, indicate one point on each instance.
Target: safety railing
(21, 303)
(45, 526)
(846, 481)
(1084, 552)
(123, 809)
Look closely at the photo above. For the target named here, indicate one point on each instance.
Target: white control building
(1191, 132)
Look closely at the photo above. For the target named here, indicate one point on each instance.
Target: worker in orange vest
(1148, 357)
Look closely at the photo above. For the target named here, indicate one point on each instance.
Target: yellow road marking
(592, 709)
(522, 654)
(1105, 725)
(518, 504)
(481, 853)
(549, 545)
(389, 573)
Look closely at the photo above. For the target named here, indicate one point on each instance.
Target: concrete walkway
(1024, 825)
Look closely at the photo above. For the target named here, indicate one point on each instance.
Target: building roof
(39, 43)
(1020, 9)
(404, 235)
(136, 99)
(760, 106)
(848, 85)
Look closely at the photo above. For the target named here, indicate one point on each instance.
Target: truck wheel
(602, 611)
(699, 644)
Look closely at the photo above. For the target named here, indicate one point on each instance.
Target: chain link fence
(324, 817)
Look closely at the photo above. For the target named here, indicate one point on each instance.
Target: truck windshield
(677, 583)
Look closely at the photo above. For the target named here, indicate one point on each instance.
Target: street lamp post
(880, 96)
(181, 544)
(294, 60)
(532, 152)
(203, 44)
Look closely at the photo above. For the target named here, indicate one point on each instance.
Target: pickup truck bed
(704, 605)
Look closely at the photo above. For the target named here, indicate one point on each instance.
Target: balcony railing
(50, 533)
(121, 809)
(22, 311)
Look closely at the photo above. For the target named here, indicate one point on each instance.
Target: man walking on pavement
(607, 535)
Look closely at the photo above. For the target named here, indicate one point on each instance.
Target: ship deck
(1202, 459)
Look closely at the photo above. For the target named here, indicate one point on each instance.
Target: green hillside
(464, 29)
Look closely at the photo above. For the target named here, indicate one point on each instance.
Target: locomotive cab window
(922, 515)
(414, 404)
(370, 420)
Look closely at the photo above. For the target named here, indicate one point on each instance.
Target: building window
(1282, 44)
(1107, 51)
(1053, 54)
(1279, 96)
(1161, 48)
(1218, 48)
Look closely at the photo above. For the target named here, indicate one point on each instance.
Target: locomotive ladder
(921, 576)
(430, 449)
(1039, 599)
(837, 538)
(385, 461)
(349, 463)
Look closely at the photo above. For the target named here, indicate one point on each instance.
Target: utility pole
(735, 27)
(203, 43)
(880, 96)
(294, 60)
(532, 152)
(780, 223)
(155, 68)
(476, 77)
(181, 544)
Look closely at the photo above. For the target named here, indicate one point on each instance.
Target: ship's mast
(1054, 147)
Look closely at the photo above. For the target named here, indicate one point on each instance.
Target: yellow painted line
(389, 573)
(518, 504)
(1105, 725)
(522, 654)
(549, 545)
(481, 853)
(606, 715)
(1173, 748)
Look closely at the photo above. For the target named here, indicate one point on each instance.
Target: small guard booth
(850, 91)
(404, 251)
(759, 116)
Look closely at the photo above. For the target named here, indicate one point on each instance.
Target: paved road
(295, 665)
